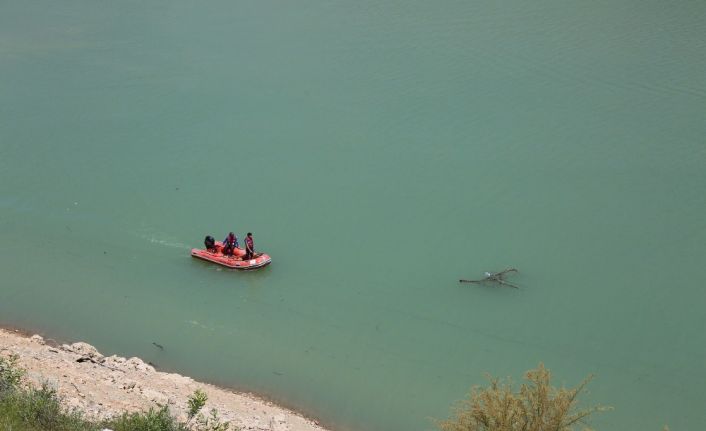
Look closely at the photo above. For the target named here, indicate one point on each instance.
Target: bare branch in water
(494, 277)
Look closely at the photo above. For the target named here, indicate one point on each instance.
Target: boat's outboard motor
(209, 242)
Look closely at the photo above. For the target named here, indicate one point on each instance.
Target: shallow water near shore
(378, 152)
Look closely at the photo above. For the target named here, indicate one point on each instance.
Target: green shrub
(536, 406)
(212, 422)
(10, 375)
(39, 409)
(151, 420)
(161, 420)
(196, 402)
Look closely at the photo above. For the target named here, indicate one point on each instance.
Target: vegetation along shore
(73, 387)
(106, 390)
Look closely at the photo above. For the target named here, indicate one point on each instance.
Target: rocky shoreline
(103, 387)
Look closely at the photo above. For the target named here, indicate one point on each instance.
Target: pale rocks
(37, 339)
(85, 350)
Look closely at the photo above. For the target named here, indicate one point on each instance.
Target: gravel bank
(106, 386)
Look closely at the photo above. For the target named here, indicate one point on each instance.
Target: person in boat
(249, 246)
(230, 243)
(210, 243)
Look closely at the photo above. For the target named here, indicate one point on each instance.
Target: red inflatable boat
(236, 261)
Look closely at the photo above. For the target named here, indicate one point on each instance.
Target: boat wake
(167, 243)
(153, 239)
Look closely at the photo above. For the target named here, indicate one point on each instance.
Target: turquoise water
(378, 152)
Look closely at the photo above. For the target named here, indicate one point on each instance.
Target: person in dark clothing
(229, 244)
(249, 246)
(210, 243)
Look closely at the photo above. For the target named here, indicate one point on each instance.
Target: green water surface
(379, 151)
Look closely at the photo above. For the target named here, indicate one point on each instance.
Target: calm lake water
(379, 151)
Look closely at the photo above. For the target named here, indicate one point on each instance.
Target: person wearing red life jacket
(229, 244)
(249, 246)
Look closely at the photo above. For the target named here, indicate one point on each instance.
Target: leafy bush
(212, 422)
(536, 406)
(196, 402)
(161, 420)
(151, 420)
(10, 374)
(38, 409)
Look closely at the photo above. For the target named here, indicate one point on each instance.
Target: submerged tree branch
(494, 277)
